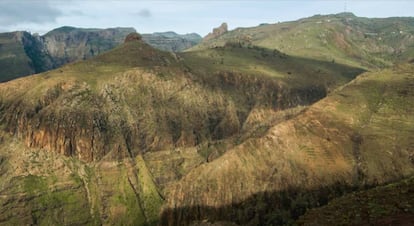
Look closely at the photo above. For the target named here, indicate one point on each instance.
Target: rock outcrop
(217, 32)
(133, 37)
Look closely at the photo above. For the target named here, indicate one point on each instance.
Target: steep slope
(69, 44)
(392, 204)
(111, 133)
(359, 136)
(126, 100)
(44, 188)
(343, 38)
(14, 61)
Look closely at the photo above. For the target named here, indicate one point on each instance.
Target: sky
(181, 16)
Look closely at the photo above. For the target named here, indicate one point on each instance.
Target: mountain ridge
(236, 133)
(69, 44)
(331, 37)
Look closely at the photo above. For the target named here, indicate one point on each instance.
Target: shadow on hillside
(243, 72)
(266, 208)
(293, 81)
(277, 60)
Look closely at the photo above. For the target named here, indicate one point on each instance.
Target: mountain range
(24, 54)
(279, 124)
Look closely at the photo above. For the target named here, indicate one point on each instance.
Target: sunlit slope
(360, 135)
(100, 141)
(135, 99)
(343, 38)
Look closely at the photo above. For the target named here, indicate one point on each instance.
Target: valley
(279, 124)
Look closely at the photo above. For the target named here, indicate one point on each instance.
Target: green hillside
(384, 205)
(343, 38)
(123, 111)
(240, 130)
(359, 136)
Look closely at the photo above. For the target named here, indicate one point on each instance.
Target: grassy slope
(45, 188)
(167, 97)
(340, 37)
(360, 135)
(155, 83)
(260, 62)
(39, 188)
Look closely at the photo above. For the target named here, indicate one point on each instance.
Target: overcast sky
(181, 16)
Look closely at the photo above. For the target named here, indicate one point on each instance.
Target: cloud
(145, 13)
(18, 12)
(75, 13)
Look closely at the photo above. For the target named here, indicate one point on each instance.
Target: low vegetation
(239, 133)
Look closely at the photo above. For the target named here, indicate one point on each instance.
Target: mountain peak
(133, 37)
(345, 14)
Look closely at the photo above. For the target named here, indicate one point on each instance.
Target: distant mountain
(171, 41)
(14, 60)
(22, 53)
(69, 44)
(342, 38)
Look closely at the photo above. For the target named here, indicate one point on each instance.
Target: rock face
(49, 189)
(68, 44)
(14, 61)
(217, 32)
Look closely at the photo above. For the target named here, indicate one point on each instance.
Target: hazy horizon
(40, 16)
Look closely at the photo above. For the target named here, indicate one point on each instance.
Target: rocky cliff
(14, 61)
(69, 44)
